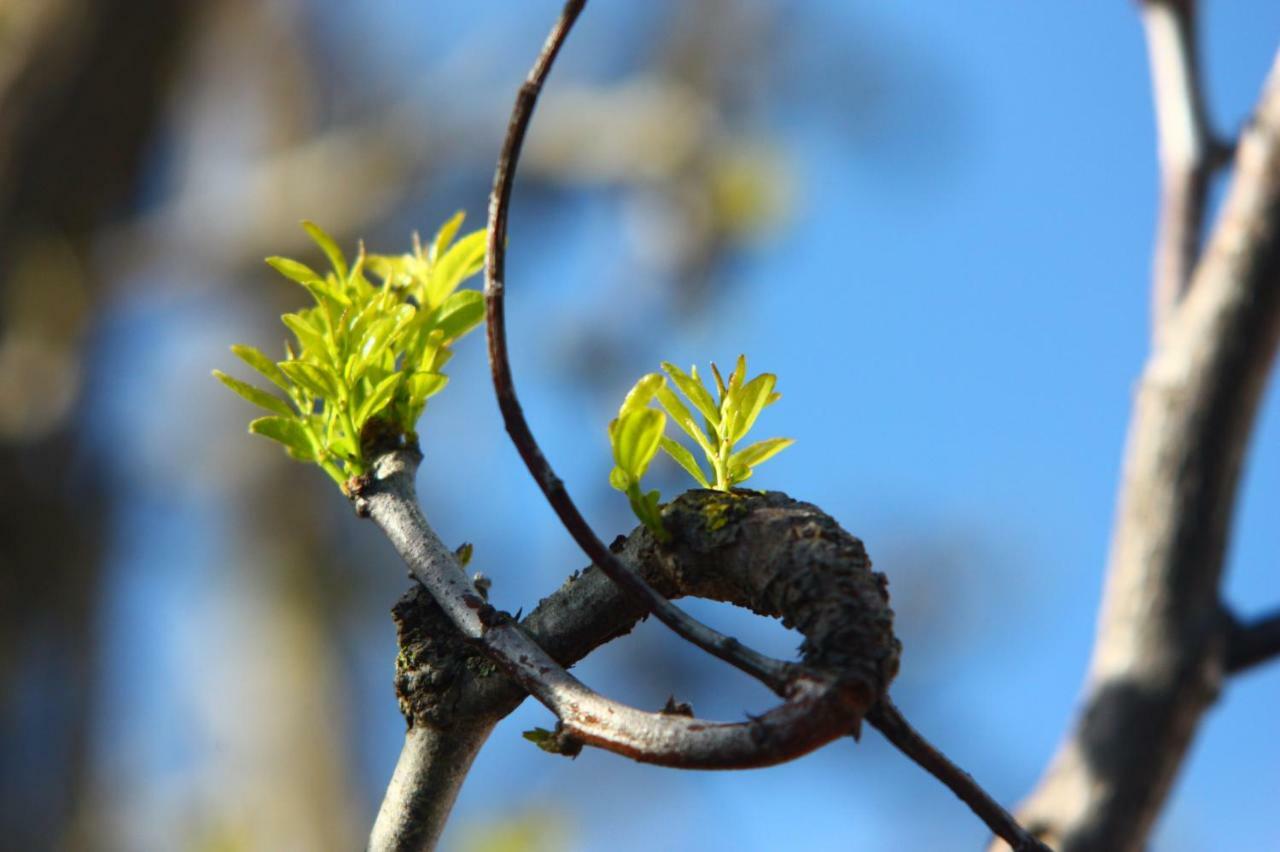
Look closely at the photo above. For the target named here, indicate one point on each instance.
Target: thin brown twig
(886, 718)
(1252, 644)
(775, 674)
(778, 676)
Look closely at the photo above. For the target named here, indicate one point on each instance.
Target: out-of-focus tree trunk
(81, 85)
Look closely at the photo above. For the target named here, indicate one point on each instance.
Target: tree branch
(1252, 644)
(823, 703)
(763, 552)
(1160, 651)
(1186, 146)
(432, 766)
(776, 675)
(888, 720)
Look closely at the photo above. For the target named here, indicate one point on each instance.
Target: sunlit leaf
(685, 459)
(635, 439)
(255, 395)
(310, 338)
(694, 390)
(642, 392)
(329, 247)
(264, 365)
(423, 385)
(295, 271)
(683, 417)
(460, 312)
(720, 386)
(443, 356)
(738, 375)
(378, 398)
(314, 378)
(620, 479)
(750, 400)
(463, 259)
(287, 431)
(760, 451)
(445, 235)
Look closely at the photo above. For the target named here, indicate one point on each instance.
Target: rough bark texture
(765, 552)
(1160, 653)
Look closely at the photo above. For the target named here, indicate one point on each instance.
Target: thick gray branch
(1160, 652)
(432, 766)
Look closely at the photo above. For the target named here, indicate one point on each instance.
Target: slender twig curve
(777, 675)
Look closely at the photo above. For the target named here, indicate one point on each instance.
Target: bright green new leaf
(721, 390)
(635, 439)
(255, 395)
(694, 390)
(287, 431)
(445, 235)
(642, 392)
(264, 365)
(442, 357)
(683, 417)
(310, 338)
(365, 350)
(760, 451)
(685, 459)
(459, 313)
(738, 375)
(750, 400)
(378, 398)
(377, 340)
(315, 379)
(295, 271)
(620, 479)
(740, 404)
(463, 259)
(423, 385)
(328, 246)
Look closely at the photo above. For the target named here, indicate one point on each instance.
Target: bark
(765, 552)
(762, 551)
(1188, 151)
(1160, 652)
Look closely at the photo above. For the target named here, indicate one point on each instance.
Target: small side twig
(1189, 153)
(1253, 643)
(886, 718)
(776, 675)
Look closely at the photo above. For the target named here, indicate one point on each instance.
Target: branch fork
(814, 576)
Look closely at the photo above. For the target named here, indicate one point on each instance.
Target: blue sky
(956, 309)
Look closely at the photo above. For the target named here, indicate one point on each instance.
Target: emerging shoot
(638, 432)
(367, 355)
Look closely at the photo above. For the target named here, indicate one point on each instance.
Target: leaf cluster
(638, 432)
(368, 354)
